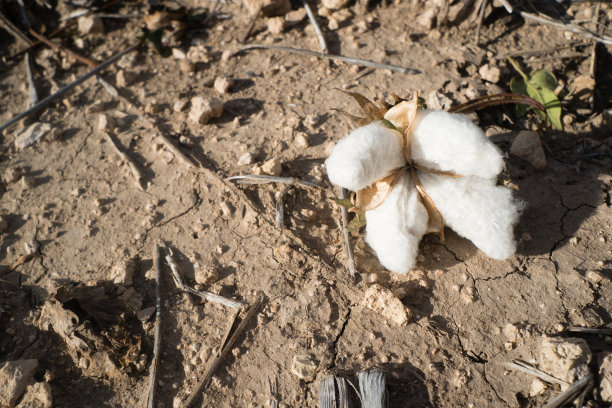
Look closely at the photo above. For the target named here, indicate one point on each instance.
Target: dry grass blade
(494, 100)
(223, 352)
(253, 179)
(313, 20)
(350, 255)
(348, 60)
(581, 386)
(604, 331)
(157, 343)
(212, 297)
(373, 389)
(68, 87)
(531, 370)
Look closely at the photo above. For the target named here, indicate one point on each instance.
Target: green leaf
(345, 202)
(518, 69)
(358, 221)
(387, 124)
(544, 79)
(518, 86)
(553, 107)
(537, 95)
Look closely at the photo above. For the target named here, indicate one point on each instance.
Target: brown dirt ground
(452, 355)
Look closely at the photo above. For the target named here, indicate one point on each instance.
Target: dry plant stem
(157, 342)
(172, 147)
(134, 171)
(531, 370)
(567, 27)
(58, 48)
(317, 28)
(252, 179)
(348, 60)
(348, 246)
(225, 348)
(481, 11)
(16, 32)
(373, 387)
(604, 331)
(581, 386)
(67, 88)
(250, 26)
(212, 297)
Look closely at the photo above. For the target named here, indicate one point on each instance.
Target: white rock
(246, 158)
(37, 395)
(335, 4)
(276, 25)
(304, 366)
(272, 167)
(382, 300)
(566, 359)
(605, 373)
(295, 17)
(179, 105)
(14, 378)
(123, 272)
(439, 101)
(203, 109)
(489, 73)
(90, 25)
(302, 140)
(106, 123)
(537, 387)
(223, 84)
(427, 18)
(527, 146)
(31, 134)
(179, 54)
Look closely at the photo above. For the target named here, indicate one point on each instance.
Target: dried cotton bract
(415, 171)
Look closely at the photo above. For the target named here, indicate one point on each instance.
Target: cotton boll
(451, 142)
(396, 227)
(476, 209)
(366, 155)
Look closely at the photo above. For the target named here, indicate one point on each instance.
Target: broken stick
(210, 371)
(212, 297)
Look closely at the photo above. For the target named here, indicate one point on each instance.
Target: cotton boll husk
(476, 209)
(366, 155)
(396, 227)
(451, 142)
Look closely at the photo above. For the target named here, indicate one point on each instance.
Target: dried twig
(313, 20)
(157, 342)
(583, 32)
(172, 147)
(581, 386)
(134, 171)
(11, 28)
(68, 87)
(531, 370)
(225, 348)
(212, 297)
(348, 60)
(252, 179)
(604, 331)
(347, 238)
(481, 12)
(373, 387)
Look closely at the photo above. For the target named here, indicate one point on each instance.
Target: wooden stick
(348, 247)
(348, 60)
(203, 294)
(313, 20)
(68, 87)
(264, 179)
(157, 342)
(210, 371)
(134, 171)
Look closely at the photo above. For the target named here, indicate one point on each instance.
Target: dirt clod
(527, 146)
(14, 377)
(382, 301)
(565, 359)
(204, 109)
(304, 366)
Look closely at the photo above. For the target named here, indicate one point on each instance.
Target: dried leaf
(358, 221)
(403, 114)
(373, 196)
(344, 202)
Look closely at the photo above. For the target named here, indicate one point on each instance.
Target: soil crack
(334, 346)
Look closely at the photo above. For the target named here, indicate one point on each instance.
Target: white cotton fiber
(451, 142)
(366, 155)
(476, 209)
(395, 228)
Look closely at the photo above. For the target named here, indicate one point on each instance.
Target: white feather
(366, 155)
(451, 142)
(396, 227)
(476, 209)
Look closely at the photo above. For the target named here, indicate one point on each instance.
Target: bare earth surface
(76, 201)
